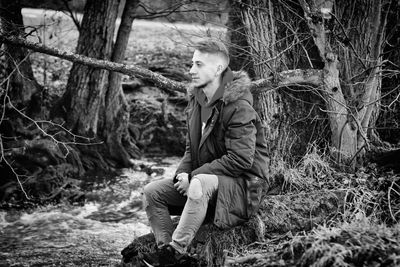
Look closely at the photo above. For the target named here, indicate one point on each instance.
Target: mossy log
(277, 214)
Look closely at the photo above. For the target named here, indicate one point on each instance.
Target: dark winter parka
(232, 147)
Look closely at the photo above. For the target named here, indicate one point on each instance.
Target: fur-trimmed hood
(236, 86)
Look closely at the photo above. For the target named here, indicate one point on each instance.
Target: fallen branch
(233, 261)
(296, 77)
(130, 70)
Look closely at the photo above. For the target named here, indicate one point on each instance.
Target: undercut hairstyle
(213, 47)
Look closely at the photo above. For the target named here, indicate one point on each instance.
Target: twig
(388, 196)
(229, 261)
(71, 14)
(36, 123)
(2, 157)
(347, 38)
(12, 169)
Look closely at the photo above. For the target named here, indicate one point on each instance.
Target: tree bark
(349, 32)
(116, 111)
(288, 113)
(17, 65)
(370, 21)
(387, 124)
(86, 86)
(359, 46)
(260, 34)
(238, 47)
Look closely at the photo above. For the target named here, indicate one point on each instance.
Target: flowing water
(88, 234)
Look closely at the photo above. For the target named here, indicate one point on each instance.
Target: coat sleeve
(240, 143)
(185, 164)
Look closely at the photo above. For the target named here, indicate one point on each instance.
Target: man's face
(204, 69)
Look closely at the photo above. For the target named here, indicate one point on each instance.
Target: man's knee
(206, 184)
(195, 190)
(150, 192)
(147, 190)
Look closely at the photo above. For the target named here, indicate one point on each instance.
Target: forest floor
(94, 231)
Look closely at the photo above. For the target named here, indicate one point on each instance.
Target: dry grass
(352, 244)
(312, 172)
(315, 164)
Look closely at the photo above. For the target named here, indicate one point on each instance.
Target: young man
(225, 152)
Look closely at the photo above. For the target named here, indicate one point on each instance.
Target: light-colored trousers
(158, 198)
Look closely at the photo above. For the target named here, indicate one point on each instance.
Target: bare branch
(289, 78)
(348, 41)
(284, 78)
(181, 7)
(130, 70)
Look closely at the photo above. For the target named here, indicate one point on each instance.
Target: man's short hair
(213, 47)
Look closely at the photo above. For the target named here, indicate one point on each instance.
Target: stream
(92, 233)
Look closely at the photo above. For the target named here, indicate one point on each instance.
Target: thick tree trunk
(260, 33)
(288, 115)
(350, 91)
(86, 86)
(343, 126)
(239, 47)
(16, 63)
(352, 105)
(388, 122)
(368, 23)
(116, 111)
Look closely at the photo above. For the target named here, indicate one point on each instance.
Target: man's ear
(220, 69)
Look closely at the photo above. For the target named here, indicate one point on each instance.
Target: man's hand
(182, 184)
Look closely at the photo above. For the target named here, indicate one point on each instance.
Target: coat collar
(235, 85)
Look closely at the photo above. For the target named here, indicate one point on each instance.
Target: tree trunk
(352, 105)
(86, 86)
(288, 114)
(388, 122)
(240, 57)
(116, 110)
(17, 65)
(370, 20)
(260, 33)
(352, 33)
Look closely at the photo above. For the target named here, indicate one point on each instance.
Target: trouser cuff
(177, 247)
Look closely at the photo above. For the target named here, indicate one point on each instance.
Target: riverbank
(87, 234)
